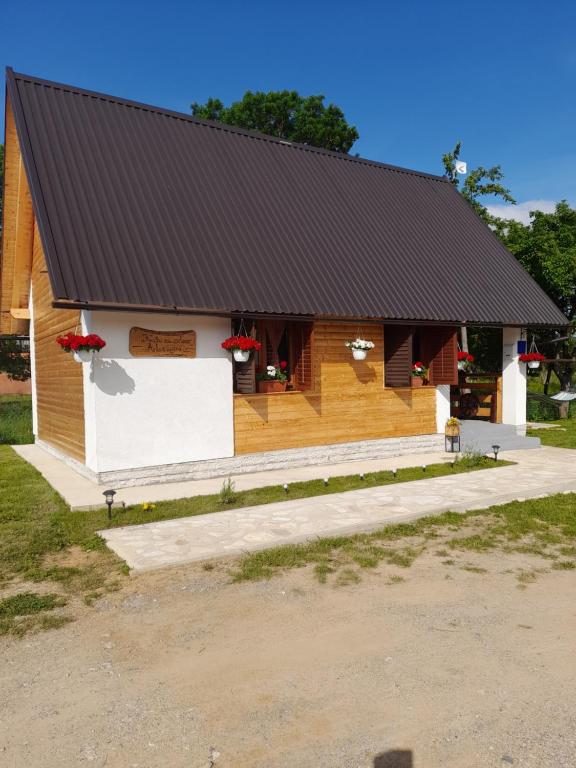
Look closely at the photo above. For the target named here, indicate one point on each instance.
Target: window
(435, 346)
(281, 341)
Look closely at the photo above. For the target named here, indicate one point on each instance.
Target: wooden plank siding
(17, 234)
(59, 382)
(348, 402)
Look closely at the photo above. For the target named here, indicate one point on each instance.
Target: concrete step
(482, 435)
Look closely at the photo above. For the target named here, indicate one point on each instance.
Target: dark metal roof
(145, 207)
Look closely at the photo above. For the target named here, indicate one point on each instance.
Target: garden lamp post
(109, 496)
(495, 448)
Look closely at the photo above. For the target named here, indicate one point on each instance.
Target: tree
(286, 115)
(546, 248)
(477, 184)
(14, 361)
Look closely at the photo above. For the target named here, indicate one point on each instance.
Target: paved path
(175, 542)
(81, 493)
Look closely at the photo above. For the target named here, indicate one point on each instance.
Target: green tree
(477, 183)
(546, 248)
(286, 115)
(13, 360)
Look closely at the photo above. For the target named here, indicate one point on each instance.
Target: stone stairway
(482, 435)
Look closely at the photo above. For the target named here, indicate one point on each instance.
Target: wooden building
(165, 234)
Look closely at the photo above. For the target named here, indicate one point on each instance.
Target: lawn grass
(16, 419)
(562, 437)
(540, 527)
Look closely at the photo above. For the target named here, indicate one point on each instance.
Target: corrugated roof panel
(140, 206)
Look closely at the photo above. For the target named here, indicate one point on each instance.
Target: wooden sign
(145, 343)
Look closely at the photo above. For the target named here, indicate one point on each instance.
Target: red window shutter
(397, 355)
(439, 352)
(301, 338)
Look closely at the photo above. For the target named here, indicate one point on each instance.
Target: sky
(413, 77)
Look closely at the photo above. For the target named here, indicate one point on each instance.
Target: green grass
(16, 419)
(539, 527)
(563, 437)
(18, 613)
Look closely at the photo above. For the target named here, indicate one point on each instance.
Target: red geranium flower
(241, 342)
(283, 364)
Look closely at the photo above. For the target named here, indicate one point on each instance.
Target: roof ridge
(214, 125)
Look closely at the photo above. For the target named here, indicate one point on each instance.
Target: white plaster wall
(442, 406)
(147, 411)
(33, 366)
(513, 381)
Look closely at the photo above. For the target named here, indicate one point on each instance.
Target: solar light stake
(453, 463)
(423, 467)
(362, 476)
(109, 496)
(394, 471)
(325, 481)
(285, 486)
(495, 448)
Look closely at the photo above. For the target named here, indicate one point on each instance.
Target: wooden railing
(477, 396)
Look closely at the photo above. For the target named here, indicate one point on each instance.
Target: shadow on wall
(111, 378)
(394, 758)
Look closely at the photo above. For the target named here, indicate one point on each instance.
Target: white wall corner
(33, 366)
(442, 406)
(90, 428)
(513, 381)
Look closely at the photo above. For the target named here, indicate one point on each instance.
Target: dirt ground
(182, 669)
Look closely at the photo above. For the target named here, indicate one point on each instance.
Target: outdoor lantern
(495, 448)
(325, 481)
(109, 496)
(285, 486)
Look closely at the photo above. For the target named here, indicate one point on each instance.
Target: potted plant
(532, 358)
(241, 347)
(464, 359)
(360, 348)
(452, 428)
(83, 348)
(273, 379)
(419, 374)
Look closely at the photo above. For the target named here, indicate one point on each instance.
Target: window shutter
(439, 352)
(397, 355)
(245, 377)
(301, 342)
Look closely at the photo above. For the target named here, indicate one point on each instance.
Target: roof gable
(144, 207)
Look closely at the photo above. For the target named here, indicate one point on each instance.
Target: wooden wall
(349, 401)
(59, 383)
(17, 235)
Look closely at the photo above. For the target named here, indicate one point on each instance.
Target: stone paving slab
(80, 493)
(175, 542)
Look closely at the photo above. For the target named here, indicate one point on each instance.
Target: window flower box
(273, 378)
(83, 348)
(419, 374)
(360, 348)
(241, 347)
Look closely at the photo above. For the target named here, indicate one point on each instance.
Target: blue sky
(412, 76)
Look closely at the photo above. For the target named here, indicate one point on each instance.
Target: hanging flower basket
(83, 348)
(360, 348)
(419, 374)
(464, 359)
(241, 347)
(532, 358)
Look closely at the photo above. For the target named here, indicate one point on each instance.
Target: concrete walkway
(538, 472)
(83, 494)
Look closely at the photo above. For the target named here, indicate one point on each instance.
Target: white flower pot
(83, 356)
(359, 354)
(241, 355)
(461, 365)
(534, 364)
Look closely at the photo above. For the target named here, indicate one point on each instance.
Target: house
(165, 234)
